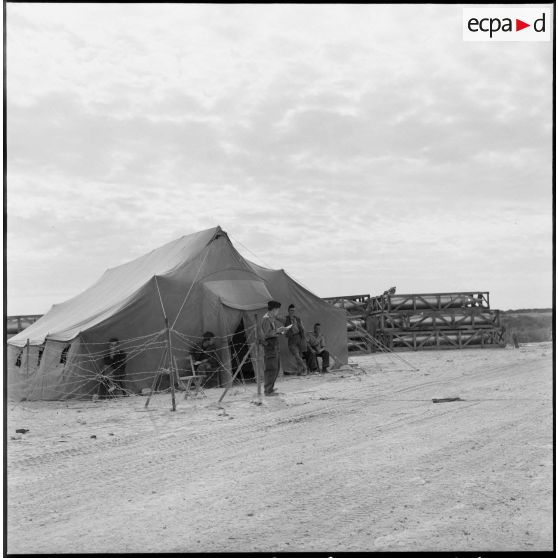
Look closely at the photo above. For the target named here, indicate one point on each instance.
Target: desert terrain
(359, 459)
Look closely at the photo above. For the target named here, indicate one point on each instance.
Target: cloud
(351, 145)
(61, 134)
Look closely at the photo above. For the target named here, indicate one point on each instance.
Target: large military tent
(167, 297)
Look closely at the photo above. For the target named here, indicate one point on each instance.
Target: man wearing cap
(270, 332)
(206, 352)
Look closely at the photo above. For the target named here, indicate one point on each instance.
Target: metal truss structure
(424, 321)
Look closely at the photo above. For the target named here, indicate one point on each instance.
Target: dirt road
(355, 460)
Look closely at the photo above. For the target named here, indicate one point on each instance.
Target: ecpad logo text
(507, 24)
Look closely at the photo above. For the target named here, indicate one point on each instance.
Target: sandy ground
(359, 459)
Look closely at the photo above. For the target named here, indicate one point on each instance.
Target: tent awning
(241, 294)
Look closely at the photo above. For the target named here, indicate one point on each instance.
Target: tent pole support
(172, 378)
(27, 363)
(257, 358)
(171, 365)
(235, 374)
(154, 384)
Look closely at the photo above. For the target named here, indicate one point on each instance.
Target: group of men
(113, 373)
(305, 347)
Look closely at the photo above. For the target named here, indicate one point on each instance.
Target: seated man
(310, 357)
(112, 376)
(205, 356)
(316, 348)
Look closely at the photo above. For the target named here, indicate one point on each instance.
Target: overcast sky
(355, 146)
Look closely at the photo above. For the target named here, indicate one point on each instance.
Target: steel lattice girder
(442, 339)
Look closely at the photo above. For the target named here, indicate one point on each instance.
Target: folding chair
(192, 385)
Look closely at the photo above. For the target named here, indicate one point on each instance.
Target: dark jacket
(206, 350)
(117, 362)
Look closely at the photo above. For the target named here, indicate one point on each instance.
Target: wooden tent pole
(258, 371)
(27, 363)
(169, 349)
(171, 365)
(155, 379)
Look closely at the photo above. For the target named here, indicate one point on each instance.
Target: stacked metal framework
(416, 322)
(435, 321)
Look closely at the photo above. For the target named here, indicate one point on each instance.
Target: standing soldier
(270, 332)
(296, 339)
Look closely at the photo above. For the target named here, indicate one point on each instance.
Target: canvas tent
(196, 283)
